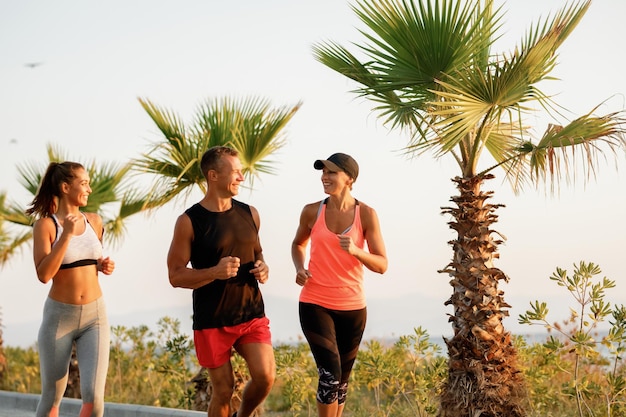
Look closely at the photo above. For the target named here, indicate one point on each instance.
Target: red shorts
(214, 346)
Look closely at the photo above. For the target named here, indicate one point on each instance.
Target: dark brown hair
(45, 201)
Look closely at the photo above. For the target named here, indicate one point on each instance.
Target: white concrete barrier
(28, 403)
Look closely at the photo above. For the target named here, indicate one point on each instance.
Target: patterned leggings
(62, 325)
(334, 337)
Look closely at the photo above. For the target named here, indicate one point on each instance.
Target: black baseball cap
(339, 162)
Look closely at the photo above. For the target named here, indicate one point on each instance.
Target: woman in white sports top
(67, 250)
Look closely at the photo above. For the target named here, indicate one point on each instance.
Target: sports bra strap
(56, 226)
(319, 210)
(324, 201)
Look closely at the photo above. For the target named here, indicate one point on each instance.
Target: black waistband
(82, 262)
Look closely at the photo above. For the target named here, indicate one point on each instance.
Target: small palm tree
(251, 126)
(429, 68)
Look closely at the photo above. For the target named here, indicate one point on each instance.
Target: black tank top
(216, 235)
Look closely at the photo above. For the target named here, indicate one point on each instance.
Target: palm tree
(250, 125)
(429, 68)
(113, 196)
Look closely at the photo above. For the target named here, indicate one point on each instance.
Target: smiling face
(229, 175)
(335, 182)
(77, 191)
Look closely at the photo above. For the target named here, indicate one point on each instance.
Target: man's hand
(260, 271)
(227, 267)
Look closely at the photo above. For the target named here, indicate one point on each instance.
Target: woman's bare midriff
(77, 286)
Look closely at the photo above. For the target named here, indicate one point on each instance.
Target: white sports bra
(83, 249)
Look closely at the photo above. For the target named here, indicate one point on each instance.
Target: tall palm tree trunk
(483, 379)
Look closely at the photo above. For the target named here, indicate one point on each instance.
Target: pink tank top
(336, 280)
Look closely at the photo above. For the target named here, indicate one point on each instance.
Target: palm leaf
(11, 245)
(167, 122)
(258, 133)
(249, 125)
(556, 152)
(12, 239)
(410, 49)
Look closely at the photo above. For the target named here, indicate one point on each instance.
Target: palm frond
(428, 67)
(107, 182)
(177, 163)
(391, 107)
(258, 133)
(556, 153)
(13, 213)
(174, 162)
(409, 48)
(11, 245)
(563, 23)
(12, 239)
(250, 125)
(132, 202)
(167, 122)
(472, 98)
(31, 173)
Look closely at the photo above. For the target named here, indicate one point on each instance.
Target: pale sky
(98, 57)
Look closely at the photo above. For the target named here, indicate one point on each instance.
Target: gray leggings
(63, 324)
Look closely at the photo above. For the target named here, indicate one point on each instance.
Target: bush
(575, 371)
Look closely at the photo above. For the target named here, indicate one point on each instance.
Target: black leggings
(334, 337)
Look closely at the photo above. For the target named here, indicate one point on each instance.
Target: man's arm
(261, 270)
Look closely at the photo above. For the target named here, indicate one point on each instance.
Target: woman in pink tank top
(332, 303)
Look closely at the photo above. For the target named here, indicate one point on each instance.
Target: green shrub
(576, 371)
(570, 373)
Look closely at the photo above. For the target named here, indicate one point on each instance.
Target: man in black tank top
(219, 236)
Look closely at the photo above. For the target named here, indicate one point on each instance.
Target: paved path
(13, 404)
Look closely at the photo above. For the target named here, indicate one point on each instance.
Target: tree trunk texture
(483, 378)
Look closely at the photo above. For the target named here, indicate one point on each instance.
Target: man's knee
(264, 380)
(268, 377)
(222, 389)
(263, 372)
